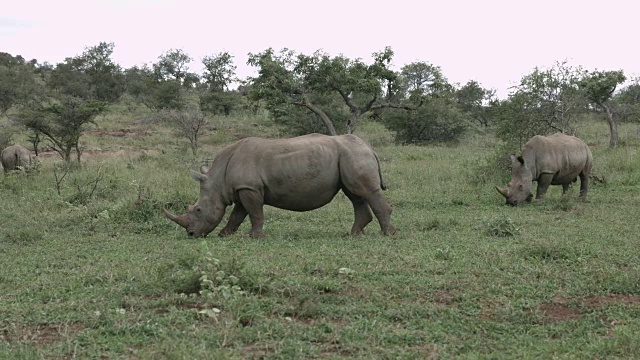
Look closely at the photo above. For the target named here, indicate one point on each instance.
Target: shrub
(436, 122)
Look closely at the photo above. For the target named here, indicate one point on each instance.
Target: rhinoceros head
(519, 188)
(204, 216)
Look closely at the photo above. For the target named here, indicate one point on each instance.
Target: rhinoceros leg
(362, 212)
(252, 201)
(584, 186)
(543, 185)
(382, 210)
(238, 214)
(565, 188)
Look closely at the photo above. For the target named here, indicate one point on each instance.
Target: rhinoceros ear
(204, 169)
(198, 176)
(515, 160)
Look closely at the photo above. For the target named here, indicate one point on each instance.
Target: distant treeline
(308, 93)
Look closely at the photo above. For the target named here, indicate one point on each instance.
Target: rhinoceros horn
(180, 220)
(503, 192)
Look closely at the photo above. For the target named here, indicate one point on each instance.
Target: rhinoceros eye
(198, 209)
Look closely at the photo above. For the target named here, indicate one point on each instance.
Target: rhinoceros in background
(550, 160)
(14, 156)
(299, 174)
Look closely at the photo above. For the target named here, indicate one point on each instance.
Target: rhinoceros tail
(383, 186)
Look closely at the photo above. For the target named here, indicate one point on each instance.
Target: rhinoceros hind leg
(584, 186)
(382, 210)
(565, 188)
(362, 212)
(238, 214)
(252, 201)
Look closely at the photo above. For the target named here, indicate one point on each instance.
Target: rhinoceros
(558, 159)
(299, 174)
(14, 156)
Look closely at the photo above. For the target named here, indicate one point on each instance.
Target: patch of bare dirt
(41, 334)
(118, 133)
(561, 310)
(443, 298)
(554, 313)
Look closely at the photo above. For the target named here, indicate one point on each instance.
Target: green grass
(467, 277)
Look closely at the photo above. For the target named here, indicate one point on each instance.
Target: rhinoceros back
(563, 155)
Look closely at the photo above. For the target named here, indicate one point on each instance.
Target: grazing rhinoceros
(299, 174)
(14, 156)
(550, 160)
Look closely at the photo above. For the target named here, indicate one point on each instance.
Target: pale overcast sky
(492, 41)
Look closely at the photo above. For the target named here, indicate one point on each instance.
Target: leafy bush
(437, 121)
(496, 167)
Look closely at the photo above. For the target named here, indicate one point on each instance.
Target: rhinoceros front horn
(503, 192)
(180, 220)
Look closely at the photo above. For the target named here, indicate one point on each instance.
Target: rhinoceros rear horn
(198, 176)
(503, 192)
(180, 220)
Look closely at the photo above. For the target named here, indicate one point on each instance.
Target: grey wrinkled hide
(299, 174)
(558, 159)
(14, 156)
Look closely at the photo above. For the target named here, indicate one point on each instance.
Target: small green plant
(215, 283)
(502, 227)
(444, 253)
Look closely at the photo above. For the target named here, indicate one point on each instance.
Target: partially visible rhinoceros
(558, 159)
(299, 174)
(14, 156)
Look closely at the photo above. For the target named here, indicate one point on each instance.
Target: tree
(105, 77)
(166, 84)
(218, 74)
(472, 98)
(62, 122)
(173, 65)
(627, 102)
(546, 100)
(188, 122)
(423, 79)
(17, 81)
(599, 87)
(73, 94)
(219, 71)
(297, 79)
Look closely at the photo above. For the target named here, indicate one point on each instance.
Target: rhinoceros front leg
(238, 214)
(543, 185)
(362, 212)
(252, 202)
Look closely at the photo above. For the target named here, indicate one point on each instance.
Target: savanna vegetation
(92, 268)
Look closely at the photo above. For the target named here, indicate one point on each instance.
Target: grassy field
(90, 271)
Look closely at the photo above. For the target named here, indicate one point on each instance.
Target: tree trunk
(613, 127)
(352, 123)
(325, 119)
(78, 152)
